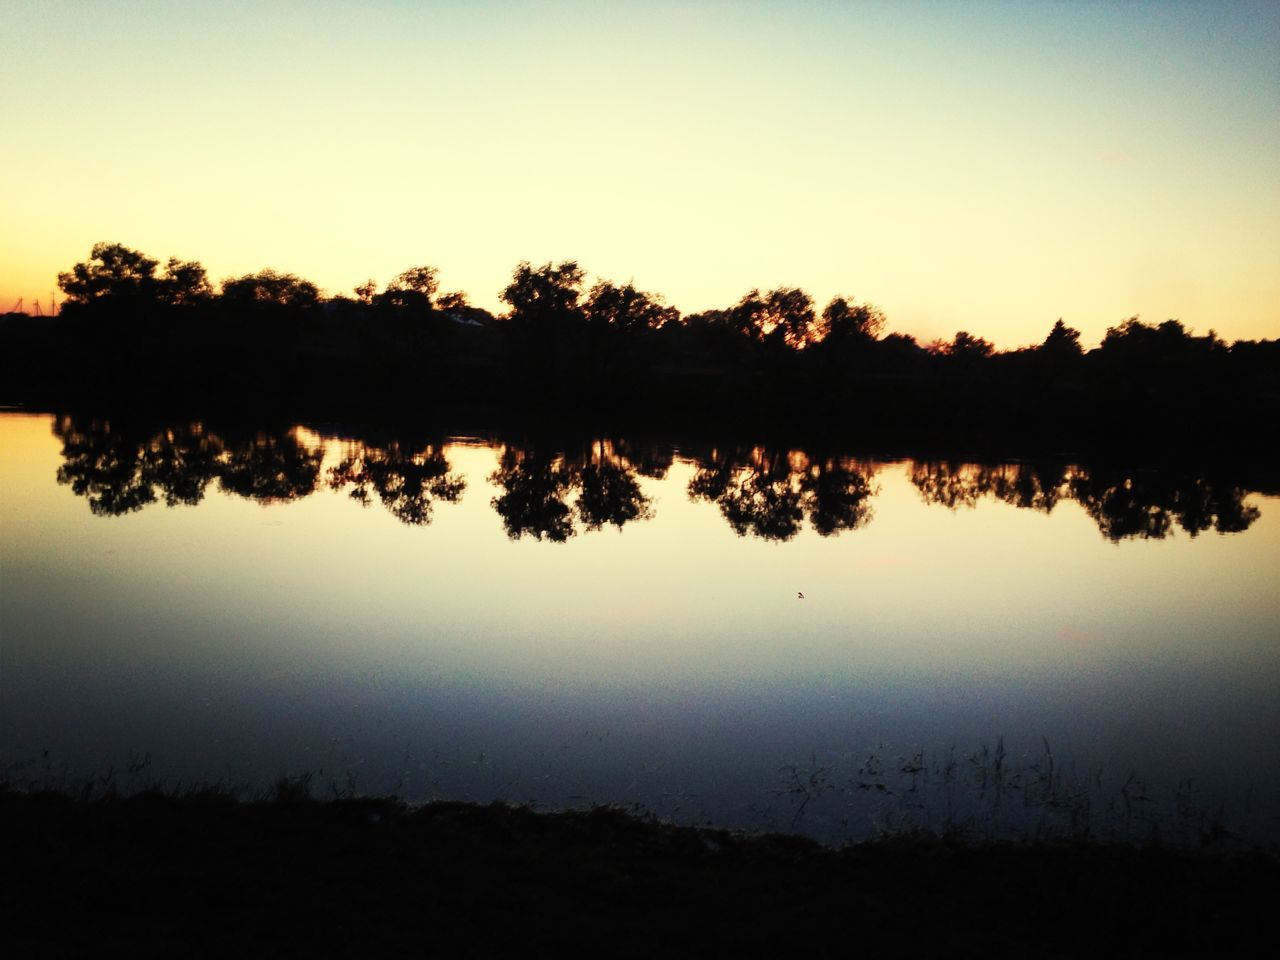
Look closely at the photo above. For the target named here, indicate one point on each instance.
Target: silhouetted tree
(184, 283)
(847, 354)
(136, 331)
(1149, 379)
(619, 323)
(420, 280)
(545, 316)
(968, 347)
(626, 310)
(112, 273)
(902, 344)
(1062, 341)
(269, 288)
(412, 290)
(783, 315)
(457, 308)
(265, 319)
(455, 300)
(847, 323)
(711, 340)
(546, 298)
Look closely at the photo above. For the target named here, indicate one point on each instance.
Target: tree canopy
(113, 271)
(270, 288)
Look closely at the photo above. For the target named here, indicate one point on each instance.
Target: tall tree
(626, 309)
(546, 320)
(545, 297)
(847, 322)
(270, 288)
(112, 273)
(184, 283)
(784, 314)
(415, 288)
(1062, 341)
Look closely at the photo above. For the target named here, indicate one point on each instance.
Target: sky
(989, 167)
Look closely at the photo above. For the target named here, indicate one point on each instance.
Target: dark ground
(206, 875)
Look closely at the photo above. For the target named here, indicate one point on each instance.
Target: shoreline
(203, 872)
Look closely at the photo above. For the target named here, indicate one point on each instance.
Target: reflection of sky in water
(239, 641)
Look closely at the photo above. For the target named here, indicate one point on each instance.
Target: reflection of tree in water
(755, 491)
(955, 485)
(1220, 506)
(1030, 487)
(270, 468)
(121, 468)
(536, 487)
(1147, 506)
(837, 495)
(648, 459)
(610, 494)
(533, 502)
(104, 466)
(1123, 505)
(408, 484)
(182, 462)
(950, 485)
(767, 494)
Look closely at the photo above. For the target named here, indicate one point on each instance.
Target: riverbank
(203, 874)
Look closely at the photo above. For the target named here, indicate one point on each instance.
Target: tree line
(131, 328)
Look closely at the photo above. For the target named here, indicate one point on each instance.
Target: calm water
(622, 622)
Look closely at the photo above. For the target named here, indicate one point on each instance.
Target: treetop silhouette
(771, 357)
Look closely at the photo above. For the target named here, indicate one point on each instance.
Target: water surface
(612, 621)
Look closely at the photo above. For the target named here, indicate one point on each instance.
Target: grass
(989, 795)
(201, 871)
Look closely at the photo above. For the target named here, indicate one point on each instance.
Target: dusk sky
(987, 167)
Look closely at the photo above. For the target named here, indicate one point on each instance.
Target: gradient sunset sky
(980, 166)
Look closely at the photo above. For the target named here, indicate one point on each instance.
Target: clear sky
(980, 166)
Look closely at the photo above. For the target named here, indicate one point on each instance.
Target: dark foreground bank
(204, 874)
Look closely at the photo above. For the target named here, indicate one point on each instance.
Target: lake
(760, 637)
